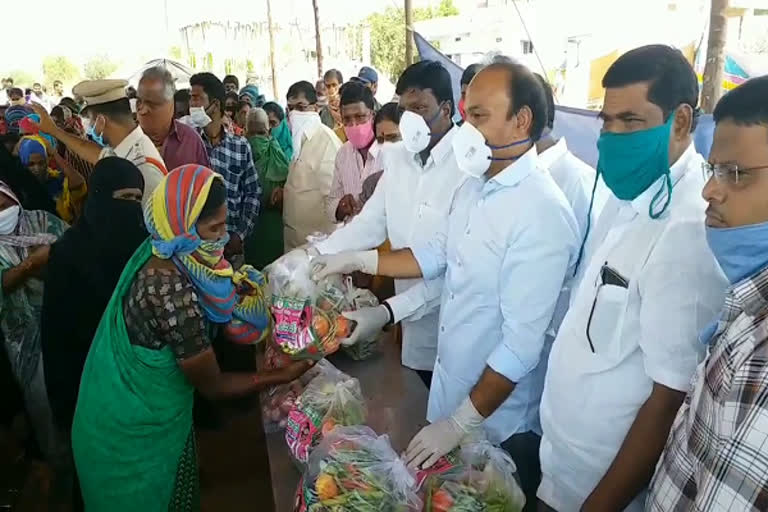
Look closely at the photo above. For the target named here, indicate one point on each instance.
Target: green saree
(265, 244)
(132, 435)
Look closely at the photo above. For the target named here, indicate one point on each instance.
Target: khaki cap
(97, 92)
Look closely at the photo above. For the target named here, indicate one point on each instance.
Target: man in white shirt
(510, 240)
(311, 173)
(111, 122)
(409, 207)
(627, 348)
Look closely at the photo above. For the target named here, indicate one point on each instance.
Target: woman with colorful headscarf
(265, 245)
(132, 434)
(25, 238)
(66, 188)
(279, 128)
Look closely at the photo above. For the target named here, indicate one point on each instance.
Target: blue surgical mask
(740, 251)
(98, 139)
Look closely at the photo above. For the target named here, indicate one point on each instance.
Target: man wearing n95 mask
(510, 241)
(410, 204)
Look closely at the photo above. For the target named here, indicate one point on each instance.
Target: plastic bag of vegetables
(307, 316)
(484, 482)
(361, 298)
(354, 469)
(278, 401)
(332, 399)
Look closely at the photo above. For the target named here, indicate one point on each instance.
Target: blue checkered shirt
(232, 159)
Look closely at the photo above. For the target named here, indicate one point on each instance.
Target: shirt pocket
(605, 321)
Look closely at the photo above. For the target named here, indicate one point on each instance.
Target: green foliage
(58, 67)
(174, 52)
(388, 34)
(20, 77)
(98, 67)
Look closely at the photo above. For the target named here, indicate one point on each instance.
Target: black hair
(303, 88)
(9, 80)
(388, 112)
(428, 74)
(355, 92)
(217, 196)
(212, 86)
(57, 111)
(671, 79)
(58, 82)
(118, 110)
(27, 91)
(550, 97)
(524, 91)
(130, 92)
(470, 73)
(37, 83)
(335, 73)
(181, 95)
(231, 79)
(275, 109)
(232, 96)
(746, 105)
(16, 91)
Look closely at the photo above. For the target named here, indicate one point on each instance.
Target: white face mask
(198, 117)
(9, 219)
(300, 123)
(133, 102)
(473, 155)
(415, 132)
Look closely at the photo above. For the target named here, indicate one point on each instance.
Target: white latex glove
(345, 263)
(439, 438)
(369, 323)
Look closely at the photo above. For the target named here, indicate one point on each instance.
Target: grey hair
(165, 76)
(258, 115)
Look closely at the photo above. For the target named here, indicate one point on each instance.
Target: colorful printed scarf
(171, 216)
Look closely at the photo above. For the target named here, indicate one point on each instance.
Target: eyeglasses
(729, 173)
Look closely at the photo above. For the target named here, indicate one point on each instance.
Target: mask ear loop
(589, 225)
(666, 188)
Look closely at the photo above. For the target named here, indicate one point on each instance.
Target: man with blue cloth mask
(720, 435)
(625, 353)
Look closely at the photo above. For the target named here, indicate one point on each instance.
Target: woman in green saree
(265, 245)
(132, 435)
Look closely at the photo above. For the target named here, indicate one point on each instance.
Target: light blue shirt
(509, 245)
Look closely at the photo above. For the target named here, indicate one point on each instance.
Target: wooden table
(397, 405)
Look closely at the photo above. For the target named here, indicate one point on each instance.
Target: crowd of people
(606, 327)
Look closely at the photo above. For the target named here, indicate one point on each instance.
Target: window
(527, 47)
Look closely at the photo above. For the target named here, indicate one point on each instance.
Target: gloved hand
(345, 263)
(439, 438)
(369, 322)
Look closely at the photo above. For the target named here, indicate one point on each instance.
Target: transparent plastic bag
(278, 401)
(331, 399)
(361, 298)
(354, 469)
(484, 482)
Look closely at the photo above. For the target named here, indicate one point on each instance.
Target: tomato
(441, 501)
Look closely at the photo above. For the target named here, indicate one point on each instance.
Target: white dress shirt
(409, 206)
(644, 331)
(139, 149)
(506, 253)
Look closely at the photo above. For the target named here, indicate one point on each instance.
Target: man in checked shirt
(716, 457)
(231, 157)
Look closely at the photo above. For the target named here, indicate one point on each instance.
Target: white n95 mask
(415, 132)
(473, 155)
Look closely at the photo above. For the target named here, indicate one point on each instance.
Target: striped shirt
(232, 158)
(716, 456)
(348, 176)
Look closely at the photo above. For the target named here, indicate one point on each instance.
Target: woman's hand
(277, 196)
(295, 370)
